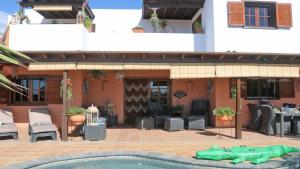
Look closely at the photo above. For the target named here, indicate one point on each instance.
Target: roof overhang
(172, 9)
(63, 9)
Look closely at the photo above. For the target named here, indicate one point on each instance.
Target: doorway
(139, 93)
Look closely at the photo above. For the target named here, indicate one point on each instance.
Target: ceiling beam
(175, 12)
(45, 56)
(275, 58)
(184, 13)
(182, 56)
(202, 57)
(144, 56)
(63, 56)
(257, 57)
(174, 5)
(221, 57)
(293, 58)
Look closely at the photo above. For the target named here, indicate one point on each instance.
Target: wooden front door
(136, 99)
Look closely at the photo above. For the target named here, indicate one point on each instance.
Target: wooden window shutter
(287, 89)
(236, 13)
(284, 15)
(53, 90)
(4, 96)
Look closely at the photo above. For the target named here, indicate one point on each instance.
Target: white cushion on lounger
(44, 128)
(8, 128)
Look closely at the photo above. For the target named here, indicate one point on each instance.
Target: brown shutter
(53, 90)
(236, 13)
(4, 95)
(284, 15)
(287, 89)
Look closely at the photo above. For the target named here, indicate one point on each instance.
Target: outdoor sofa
(7, 126)
(40, 124)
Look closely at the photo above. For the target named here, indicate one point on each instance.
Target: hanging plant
(163, 23)
(96, 73)
(155, 21)
(69, 89)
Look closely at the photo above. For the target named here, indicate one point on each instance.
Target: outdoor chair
(40, 124)
(256, 118)
(198, 118)
(268, 120)
(157, 111)
(7, 126)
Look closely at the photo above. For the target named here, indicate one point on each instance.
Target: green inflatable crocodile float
(240, 154)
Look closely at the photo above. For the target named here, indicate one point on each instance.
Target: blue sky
(10, 6)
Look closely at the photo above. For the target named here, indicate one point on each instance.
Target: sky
(10, 6)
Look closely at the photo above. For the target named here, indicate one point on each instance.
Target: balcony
(74, 37)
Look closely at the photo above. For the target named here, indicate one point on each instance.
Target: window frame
(257, 6)
(30, 101)
(158, 97)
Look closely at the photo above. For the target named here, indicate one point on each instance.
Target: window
(36, 92)
(159, 92)
(260, 14)
(268, 88)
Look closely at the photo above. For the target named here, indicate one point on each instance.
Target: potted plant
(138, 29)
(224, 113)
(198, 27)
(163, 23)
(77, 115)
(177, 110)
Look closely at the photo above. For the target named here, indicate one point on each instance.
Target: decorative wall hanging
(85, 86)
(210, 86)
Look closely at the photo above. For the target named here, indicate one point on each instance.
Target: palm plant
(11, 56)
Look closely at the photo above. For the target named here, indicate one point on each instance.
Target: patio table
(282, 115)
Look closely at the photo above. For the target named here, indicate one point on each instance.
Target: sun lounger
(7, 126)
(40, 124)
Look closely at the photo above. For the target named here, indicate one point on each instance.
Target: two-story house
(204, 50)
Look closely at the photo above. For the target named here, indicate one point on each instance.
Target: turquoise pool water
(117, 163)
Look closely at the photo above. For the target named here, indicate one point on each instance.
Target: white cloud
(3, 20)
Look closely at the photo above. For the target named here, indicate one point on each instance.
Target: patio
(180, 143)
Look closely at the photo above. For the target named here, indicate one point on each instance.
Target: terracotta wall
(194, 88)
(105, 90)
(21, 112)
(222, 98)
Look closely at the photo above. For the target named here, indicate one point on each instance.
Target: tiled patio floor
(180, 143)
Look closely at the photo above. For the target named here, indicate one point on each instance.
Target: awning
(52, 66)
(184, 71)
(97, 66)
(256, 70)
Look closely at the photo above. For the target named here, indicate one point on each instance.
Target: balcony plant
(77, 115)
(198, 27)
(138, 29)
(163, 23)
(155, 21)
(177, 110)
(223, 113)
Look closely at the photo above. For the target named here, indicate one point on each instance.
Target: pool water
(117, 163)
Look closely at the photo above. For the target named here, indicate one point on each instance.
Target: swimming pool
(142, 160)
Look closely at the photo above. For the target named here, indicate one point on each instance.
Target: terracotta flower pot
(138, 30)
(77, 119)
(224, 118)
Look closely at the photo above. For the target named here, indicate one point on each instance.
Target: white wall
(254, 40)
(75, 37)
